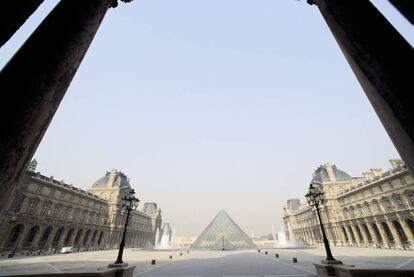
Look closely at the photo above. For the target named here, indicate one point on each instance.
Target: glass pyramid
(223, 233)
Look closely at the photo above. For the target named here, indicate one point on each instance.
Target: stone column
(35, 80)
(13, 14)
(383, 62)
(365, 238)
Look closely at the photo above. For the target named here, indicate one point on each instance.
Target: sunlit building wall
(46, 215)
(375, 211)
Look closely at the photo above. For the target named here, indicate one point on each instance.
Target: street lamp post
(315, 197)
(131, 203)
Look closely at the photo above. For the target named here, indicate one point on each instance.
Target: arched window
(400, 231)
(387, 231)
(376, 232)
(396, 198)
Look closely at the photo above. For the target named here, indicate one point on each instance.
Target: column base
(117, 265)
(331, 262)
(328, 268)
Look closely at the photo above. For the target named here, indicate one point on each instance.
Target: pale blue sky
(210, 105)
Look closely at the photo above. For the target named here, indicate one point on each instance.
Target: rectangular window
(39, 189)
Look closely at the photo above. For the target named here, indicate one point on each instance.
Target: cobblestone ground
(210, 263)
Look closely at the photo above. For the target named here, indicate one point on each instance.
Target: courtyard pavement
(210, 263)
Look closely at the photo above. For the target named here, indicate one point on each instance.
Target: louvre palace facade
(376, 210)
(45, 215)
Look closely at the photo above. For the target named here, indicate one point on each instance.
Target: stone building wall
(46, 215)
(375, 211)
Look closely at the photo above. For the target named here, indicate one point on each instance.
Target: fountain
(165, 242)
(283, 241)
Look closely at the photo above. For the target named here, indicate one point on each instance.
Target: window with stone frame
(410, 197)
(377, 205)
(397, 199)
(52, 193)
(32, 207)
(403, 181)
(352, 212)
(390, 185)
(380, 188)
(345, 213)
(387, 204)
(367, 208)
(56, 211)
(75, 215)
(359, 210)
(66, 213)
(84, 216)
(62, 195)
(45, 210)
(39, 189)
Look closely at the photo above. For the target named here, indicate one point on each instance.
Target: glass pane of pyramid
(223, 233)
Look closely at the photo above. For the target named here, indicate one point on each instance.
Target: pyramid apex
(223, 233)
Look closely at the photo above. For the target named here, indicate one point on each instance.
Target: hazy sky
(210, 105)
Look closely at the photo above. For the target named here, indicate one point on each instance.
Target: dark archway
(68, 237)
(376, 232)
(58, 235)
(367, 233)
(85, 239)
(15, 234)
(387, 231)
(410, 225)
(400, 231)
(100, 238)
(345, 234)
(358, 231)
(31, 235)
(94, 237)
(352, 233)
(46, 235)
(78, 236)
